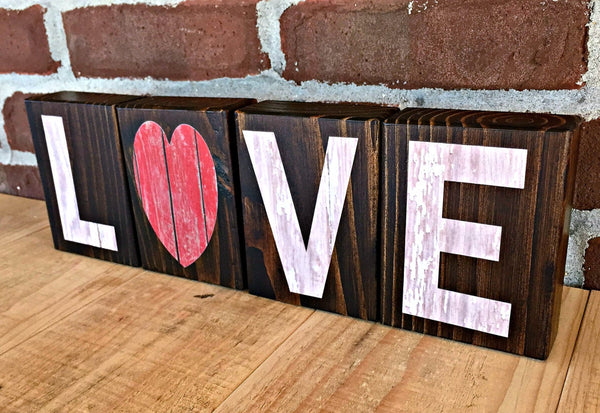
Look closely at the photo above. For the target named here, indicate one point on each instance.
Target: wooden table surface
(78, 334)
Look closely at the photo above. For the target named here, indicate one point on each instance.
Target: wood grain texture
(430, 165)
(153, 343)
(166, 143)
(582, 386)
(176, 182)
(305, 267)
(302, 132)
(78, 334)
(33, 299)
(534, 222)
(38, 285)
(20, 217)
(80, 158)
(73, 227)
(338, 364)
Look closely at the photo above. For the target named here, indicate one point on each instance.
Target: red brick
(591, 268)
(24, 45)
(587, 180)
(16, 124)
(21, 180)
(196, 40)
(450, 44)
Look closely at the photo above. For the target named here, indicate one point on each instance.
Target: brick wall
(510, 55)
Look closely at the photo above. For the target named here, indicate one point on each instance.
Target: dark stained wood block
(180, 156)
(444, 167)
(310, 198)
(79, 155)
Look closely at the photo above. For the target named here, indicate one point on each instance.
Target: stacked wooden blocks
(451, 223)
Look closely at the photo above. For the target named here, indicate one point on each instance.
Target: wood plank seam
(64, 316)
(326, 361)
(577, 343)
(313, 372)
(34, 231)
(249, 376)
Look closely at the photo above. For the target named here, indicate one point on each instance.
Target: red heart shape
(177, 184)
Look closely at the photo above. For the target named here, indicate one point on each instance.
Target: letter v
(305, 269)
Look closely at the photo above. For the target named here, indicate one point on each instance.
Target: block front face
(179, 156)
(81, 165)
(474, 227)
(309, 178)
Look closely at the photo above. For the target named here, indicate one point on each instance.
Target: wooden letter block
(310, 195)
(474, 227)
(180, 163)
(81, 165)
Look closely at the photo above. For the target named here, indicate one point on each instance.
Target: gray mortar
(584, 226)
(270, 85)
(268, 13)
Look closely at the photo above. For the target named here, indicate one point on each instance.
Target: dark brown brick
(196, 40)
(591, 268)
(587, 181)
(450, 44)
(16, 124)
(24, 44)
(21, 180)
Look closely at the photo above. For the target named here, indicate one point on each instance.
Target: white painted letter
(428, 234)
(305, 268)
(74, 229)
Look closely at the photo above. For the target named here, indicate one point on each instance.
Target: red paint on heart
(177, 184)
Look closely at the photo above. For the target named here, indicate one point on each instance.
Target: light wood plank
(31, 310)
(36, 252)
(582, 386)
(536, 385)
(79, 334)
(36, 275)
(20, 217)
(39, 285)
(332, 363)
(156, 343)
(28, 210)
